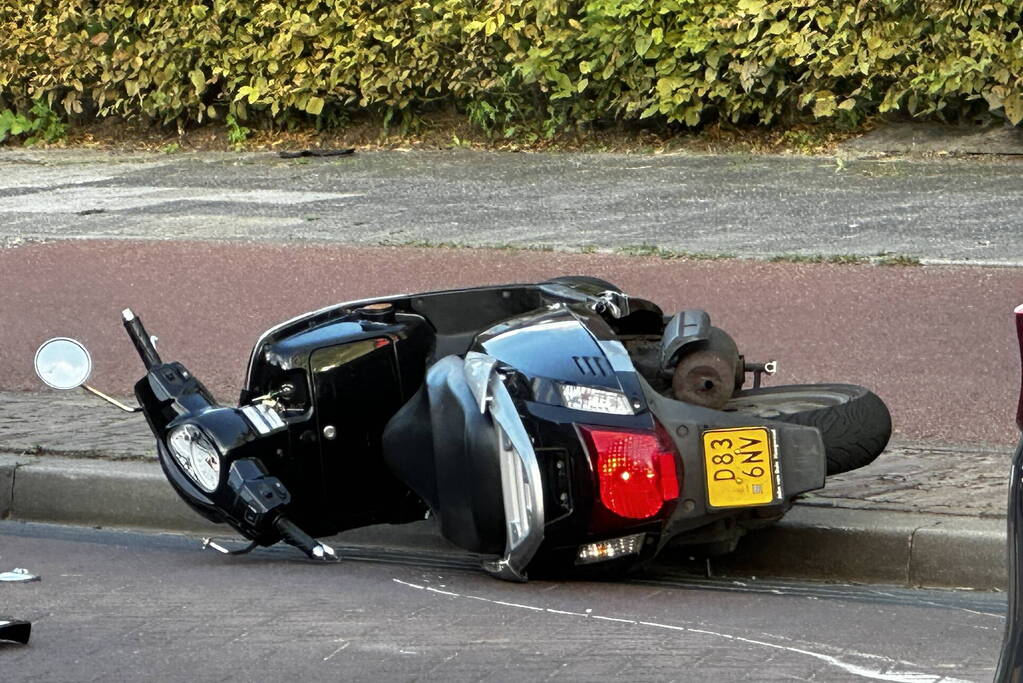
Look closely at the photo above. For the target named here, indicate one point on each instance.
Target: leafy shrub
(237, 134)
(514, 65)
(40, 125)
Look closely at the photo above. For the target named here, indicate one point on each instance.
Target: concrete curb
(878, 546)
(812, 541)
(118, 493)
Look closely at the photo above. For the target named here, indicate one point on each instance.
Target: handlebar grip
(139, 337)
(295, 536)
(303, 541)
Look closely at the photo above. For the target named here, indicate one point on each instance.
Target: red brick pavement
(935, 342)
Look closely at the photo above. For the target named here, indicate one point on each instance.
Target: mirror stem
(112, 401)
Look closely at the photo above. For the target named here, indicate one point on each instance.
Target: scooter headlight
(196, 455)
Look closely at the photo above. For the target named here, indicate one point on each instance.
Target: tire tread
(854, 432)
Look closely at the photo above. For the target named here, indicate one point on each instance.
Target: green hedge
(505, 62)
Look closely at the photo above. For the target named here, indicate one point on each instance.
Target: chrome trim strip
(276, 421)
(256, 420)
(263, 419)
(521, 485)
(478, 368)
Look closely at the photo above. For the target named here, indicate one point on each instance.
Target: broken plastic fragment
(18, 574)
(15, 631)
(316, 153)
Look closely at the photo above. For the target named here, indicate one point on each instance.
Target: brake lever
(210, 544)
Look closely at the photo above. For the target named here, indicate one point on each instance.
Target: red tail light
(1019, 332)
(635, 469)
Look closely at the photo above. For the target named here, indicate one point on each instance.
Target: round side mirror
(63, 363)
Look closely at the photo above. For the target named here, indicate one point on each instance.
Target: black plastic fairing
(570, 344)
(454, 465)
(168, 391)
(549, 344)
(455, 317)
(555, 429)
(800, 453)
(357, 387)
(408, 447)
(339, 381)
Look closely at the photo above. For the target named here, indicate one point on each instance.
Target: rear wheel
(854, 423)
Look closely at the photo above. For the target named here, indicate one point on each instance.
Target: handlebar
(303, 541)
(139, 336)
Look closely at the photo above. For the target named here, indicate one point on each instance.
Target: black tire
(573, 280)
(854, 422)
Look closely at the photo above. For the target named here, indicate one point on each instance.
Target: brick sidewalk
(909, 477)
(71, 424)
(925, 478)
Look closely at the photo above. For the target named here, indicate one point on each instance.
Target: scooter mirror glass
(63, 363)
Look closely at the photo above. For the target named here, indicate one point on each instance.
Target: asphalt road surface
(123, 606)
(968, 211)
(937, 343)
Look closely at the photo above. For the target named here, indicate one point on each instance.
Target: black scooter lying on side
(555, 426)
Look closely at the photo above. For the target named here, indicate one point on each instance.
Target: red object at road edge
(1019, 332)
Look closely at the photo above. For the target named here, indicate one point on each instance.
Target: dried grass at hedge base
(448, 131)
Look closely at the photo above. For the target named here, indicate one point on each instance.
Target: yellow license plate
(741, 467)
